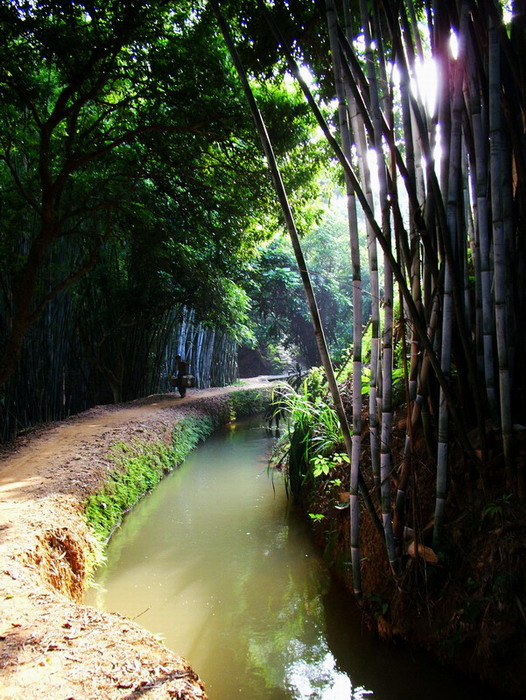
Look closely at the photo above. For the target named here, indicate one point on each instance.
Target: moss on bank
(141, 464)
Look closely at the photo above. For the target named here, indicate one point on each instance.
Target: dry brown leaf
(420, 551)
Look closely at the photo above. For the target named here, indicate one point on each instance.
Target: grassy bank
(141, 464)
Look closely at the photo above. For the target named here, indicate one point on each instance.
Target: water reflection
(216, 563)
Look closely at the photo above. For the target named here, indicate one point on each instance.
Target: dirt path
(51, 646)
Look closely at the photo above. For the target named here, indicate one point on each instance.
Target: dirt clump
(60, 560)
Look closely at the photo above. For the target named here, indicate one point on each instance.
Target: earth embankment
(52, 646)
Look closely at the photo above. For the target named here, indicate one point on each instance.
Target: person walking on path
(181, 369)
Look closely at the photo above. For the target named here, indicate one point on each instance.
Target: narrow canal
(216, 562)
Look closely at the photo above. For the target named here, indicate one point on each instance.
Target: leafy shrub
(247, 402)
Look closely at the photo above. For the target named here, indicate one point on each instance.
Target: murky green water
(215, 561)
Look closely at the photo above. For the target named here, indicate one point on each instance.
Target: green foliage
(495, 510)
(279, 309)
(398, 384)
(139, 467)
(313, 444)
(398, 376)
(297, 450)
(247, 403)
(315, 385)
(128, 128)
(378, 605)
(322, 465)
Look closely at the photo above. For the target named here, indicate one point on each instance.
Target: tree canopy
(130, 176)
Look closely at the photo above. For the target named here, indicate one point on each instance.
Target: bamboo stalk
(385, 359)
(453, 183)
(413, 311)
(343, 118)
(480, 138)
(499, 253)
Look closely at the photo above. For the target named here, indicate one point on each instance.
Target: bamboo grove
(444, 209)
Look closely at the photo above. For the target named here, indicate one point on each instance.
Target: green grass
(139, 466)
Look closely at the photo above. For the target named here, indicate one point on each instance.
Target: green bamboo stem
(343, 118)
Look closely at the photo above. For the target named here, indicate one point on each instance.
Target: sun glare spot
(453, 45)
(307, 75)
(372, 159)
(395, 74)
(424, 83)
(507, 12)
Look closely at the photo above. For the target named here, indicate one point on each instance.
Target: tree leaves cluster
(131, 182)
(278, 306)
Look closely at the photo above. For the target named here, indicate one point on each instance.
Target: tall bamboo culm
(345, 131)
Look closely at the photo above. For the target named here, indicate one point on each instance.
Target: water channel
(217, 563)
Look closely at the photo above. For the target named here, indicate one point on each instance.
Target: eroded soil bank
(50, 645)
(466, 607)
